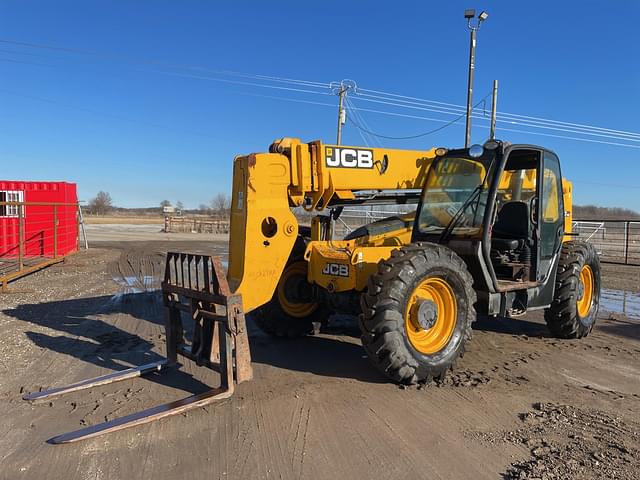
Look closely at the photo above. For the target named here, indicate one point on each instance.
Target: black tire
(272, 318)
(562, 316)
(384, 305)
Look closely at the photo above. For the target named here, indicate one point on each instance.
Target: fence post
(84, 232)
(78, 227)
(20, 236)
(626, 243)
(55, 231)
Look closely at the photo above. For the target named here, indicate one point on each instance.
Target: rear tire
(403, 341)
(576, 298)
(283, 318)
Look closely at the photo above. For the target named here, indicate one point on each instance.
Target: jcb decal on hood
(336, 270)
(348, 157)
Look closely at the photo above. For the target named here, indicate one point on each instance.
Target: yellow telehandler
(491, 235)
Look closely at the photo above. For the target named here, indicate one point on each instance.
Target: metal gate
(616, 241)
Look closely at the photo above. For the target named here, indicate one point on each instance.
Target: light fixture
(476, 151)
(483, 16)
(441, 152)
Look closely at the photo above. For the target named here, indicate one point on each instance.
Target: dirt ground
(519, 405)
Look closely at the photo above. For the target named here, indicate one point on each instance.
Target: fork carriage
(194, 287)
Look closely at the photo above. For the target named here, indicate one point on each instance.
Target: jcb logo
(348, 157)
(336, 270)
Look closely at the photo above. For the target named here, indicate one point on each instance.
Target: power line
(106, 114)
(370, 139)
(418, 117)
(502, 119)
(607, 184)
(512, 122)
(590, 140)
(147, 61)
(241, 82)
(382, 96)
(504, 114)
(23, 62)
(409, 137)
(377, 96)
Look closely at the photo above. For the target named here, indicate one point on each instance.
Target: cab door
(550, 215)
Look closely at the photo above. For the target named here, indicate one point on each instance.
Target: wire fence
(616, 241)
(34, 235)
(196, 224)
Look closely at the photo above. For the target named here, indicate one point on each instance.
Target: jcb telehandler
(491, 235)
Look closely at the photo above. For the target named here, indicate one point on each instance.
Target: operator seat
(512, 228)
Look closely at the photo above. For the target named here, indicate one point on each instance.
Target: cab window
(552, 220)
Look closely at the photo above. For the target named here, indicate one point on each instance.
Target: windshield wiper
(458, 215)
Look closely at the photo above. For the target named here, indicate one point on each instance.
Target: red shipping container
(38, 220)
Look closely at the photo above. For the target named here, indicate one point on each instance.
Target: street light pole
(470, 14)
(472, 65)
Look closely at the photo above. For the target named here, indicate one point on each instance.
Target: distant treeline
(592, 212)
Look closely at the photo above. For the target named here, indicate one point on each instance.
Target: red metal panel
(68, 221)
(39, 220)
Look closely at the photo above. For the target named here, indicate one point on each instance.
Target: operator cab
(513, 233)
(499, 206)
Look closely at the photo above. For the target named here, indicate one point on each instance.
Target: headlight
(441, 152)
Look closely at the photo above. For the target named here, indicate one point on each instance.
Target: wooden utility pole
(341, 112)
(494, 107)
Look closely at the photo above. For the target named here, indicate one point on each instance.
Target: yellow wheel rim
(431, 316)
(585, 291)
(295, 309)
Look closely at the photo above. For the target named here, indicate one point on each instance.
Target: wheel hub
(431, 315)
(298, 290)
(427, 314)
(585, 291)
(295, 295)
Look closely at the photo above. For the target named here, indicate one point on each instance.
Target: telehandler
(491, 235)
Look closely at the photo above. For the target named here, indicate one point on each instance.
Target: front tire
(417, 313)
(576, 298)
(292, 311)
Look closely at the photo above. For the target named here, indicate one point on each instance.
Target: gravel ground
(520, 404)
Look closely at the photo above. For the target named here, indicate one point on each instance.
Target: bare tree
(220, 204)
(179, 205)
(101, 203)
(165, 203)
(203, 208)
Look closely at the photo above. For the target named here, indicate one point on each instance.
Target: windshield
(455, 196)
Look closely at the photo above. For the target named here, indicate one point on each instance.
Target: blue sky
(128, 120)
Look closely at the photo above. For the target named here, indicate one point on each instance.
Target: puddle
(130, 285)
(619, 301)
(135, 284)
